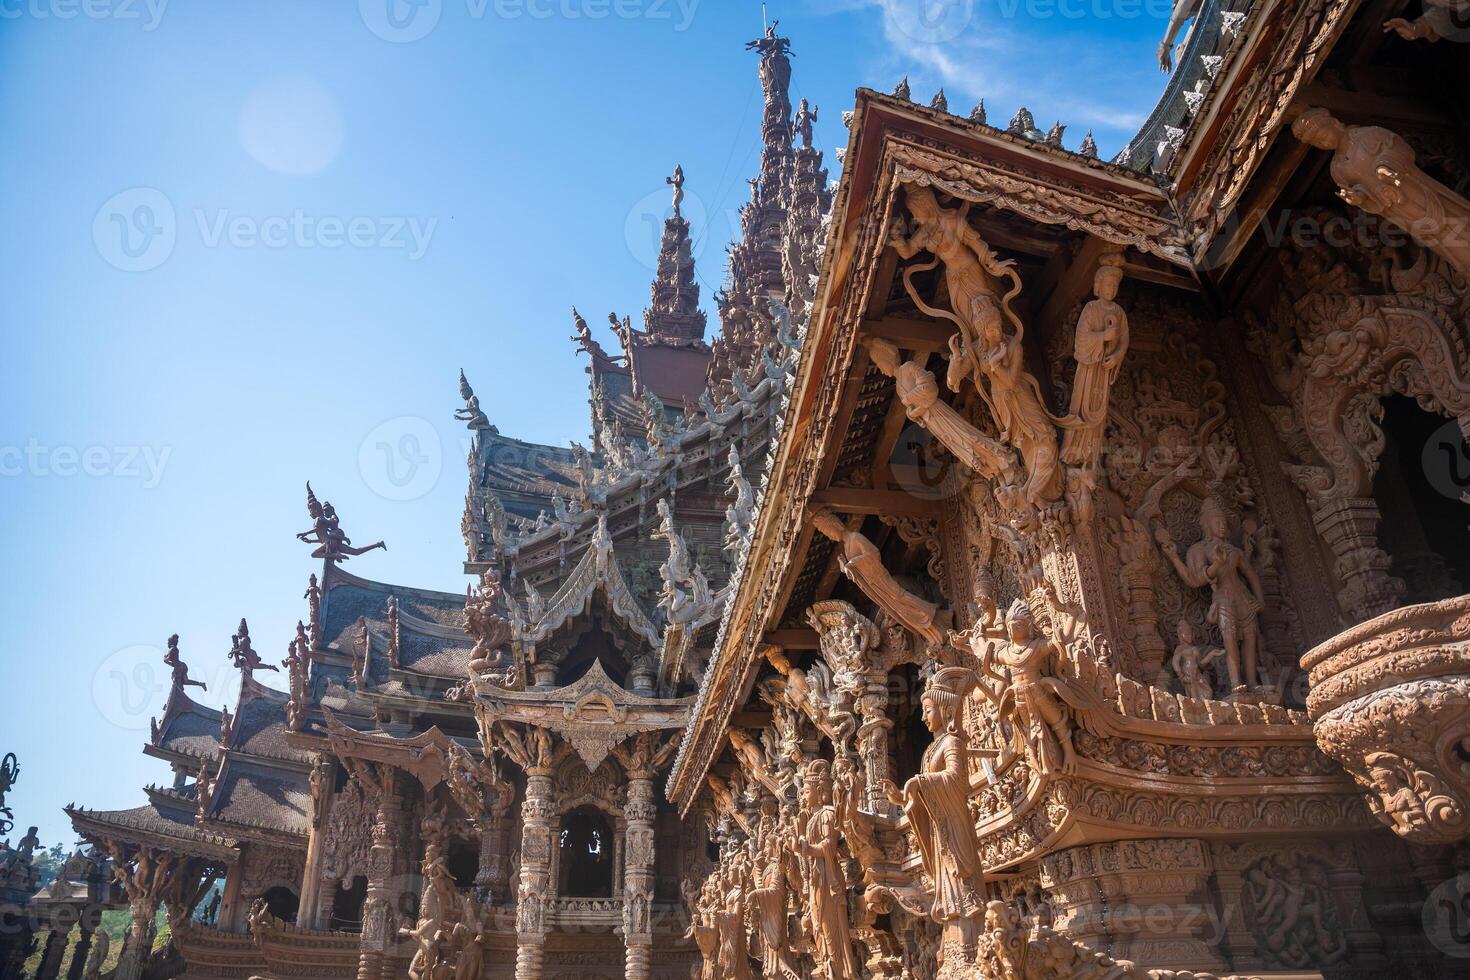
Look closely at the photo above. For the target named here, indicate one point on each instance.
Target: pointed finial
(1023, 123)
(1089, 146)
(1054, 135)
(940, 102)
(902, 91)
(977, 114)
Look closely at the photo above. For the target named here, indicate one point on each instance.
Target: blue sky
(249, 244)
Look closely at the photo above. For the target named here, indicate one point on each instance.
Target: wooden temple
(1051, 569)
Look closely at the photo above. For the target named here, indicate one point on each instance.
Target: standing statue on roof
(677, 181)
(326, 532)
(471, 414)
(805, 116)
(180, 669)
(9, 772)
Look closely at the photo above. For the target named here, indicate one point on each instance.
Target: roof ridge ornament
(471, 414)
(243, 655)
(326, 532)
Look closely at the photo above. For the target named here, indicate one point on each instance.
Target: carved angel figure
(1099, 349)
(1178, 17)
(326, 532)
(471, 414)
(1218, 564)
(179, 669)
(1441, 19)
(1376, 170)
(983, 350)
(243, 655)
(686, 590)
(862, 563)
(937, 804)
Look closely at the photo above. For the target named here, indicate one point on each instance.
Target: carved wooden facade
(1037, 577)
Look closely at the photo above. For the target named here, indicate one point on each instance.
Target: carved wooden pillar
(1349, 525)
(144, 910)
(231, 915)
(492, 874)
(378, 926)
(50, 966)
(534, 889)
(86, 925)
(638, 855)
(307, 908)
(872, 739)
(326, 903)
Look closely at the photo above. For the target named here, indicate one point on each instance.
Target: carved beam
(797, 638)
(920, 336)
(891, 503)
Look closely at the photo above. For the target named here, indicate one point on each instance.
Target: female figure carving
(936, 802)
(1237, 598)
(973, 275)
(826, 884)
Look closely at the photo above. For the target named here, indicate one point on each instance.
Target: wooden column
(50, 966)
(534, 887)
(88, 923)
(638, 853)
(377, 908)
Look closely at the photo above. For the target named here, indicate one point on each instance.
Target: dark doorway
(592, 646)
(281, 902)
(463, 862)
(347, 910)
(586, 855)
(1425, 529)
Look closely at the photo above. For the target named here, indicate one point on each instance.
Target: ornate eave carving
(425, 756)
(596, 570)
(595, 714)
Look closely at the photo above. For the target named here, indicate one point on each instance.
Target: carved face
(934, 714)
(922, 204)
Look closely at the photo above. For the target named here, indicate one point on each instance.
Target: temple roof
(154, 825)
(188, 729)
(250, 795)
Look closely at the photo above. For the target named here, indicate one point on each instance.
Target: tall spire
(674, 315)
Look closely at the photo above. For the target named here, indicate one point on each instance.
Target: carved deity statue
(483, 622)
(981, 287)
(471, 414)
(326, 532)
(686, 592)
(1237, 598)
(702, 926)
(733, 959)
(1375, 170)
(862, 563)
(826, 883)
(179, 669)
(243, 655)
(1189, 662)
(936, 802)
(1178, 17)
(768, 901)
(1099, 349)
(1441, 19)
(805, 116)
(1030, 694)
